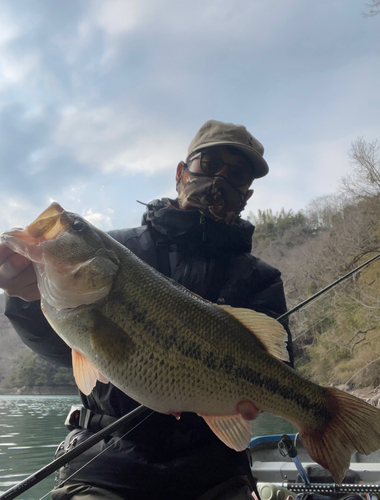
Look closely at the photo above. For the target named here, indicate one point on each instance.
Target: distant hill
(22, 371)
(336, 338)
(11, 345)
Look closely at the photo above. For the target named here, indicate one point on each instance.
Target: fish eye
(78, 225)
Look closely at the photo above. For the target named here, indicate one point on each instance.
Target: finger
(23, 285)
(24, 278)
(28, 293)
(5, 252)
(13, 265)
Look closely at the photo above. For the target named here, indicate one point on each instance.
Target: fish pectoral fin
(233, 430)
(271, 333)
(85, 373)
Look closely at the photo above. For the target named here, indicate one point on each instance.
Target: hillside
(337, 337)
(11, 345)
(22, 371)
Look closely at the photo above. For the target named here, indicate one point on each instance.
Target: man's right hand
(17, 276)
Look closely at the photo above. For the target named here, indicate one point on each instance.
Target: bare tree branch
(361, 369)
(313, 326)
(365, 160)
(374, 6)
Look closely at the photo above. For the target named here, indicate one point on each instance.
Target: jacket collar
(191, 229)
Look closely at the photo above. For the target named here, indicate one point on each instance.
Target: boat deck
(269, 466)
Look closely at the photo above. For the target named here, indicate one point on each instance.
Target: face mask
(212, 196)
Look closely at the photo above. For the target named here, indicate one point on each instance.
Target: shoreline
(369, 394)
(39, 391)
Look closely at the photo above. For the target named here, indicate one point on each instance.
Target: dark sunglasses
(211, 164)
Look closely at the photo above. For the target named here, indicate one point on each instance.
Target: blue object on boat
(301, 470)
(271, 438)
(286, 448)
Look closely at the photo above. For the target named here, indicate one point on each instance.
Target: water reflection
(31, 427)
(271, 424)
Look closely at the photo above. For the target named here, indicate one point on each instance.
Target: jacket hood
(192, 229)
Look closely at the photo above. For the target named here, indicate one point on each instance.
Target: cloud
(30, 163)
(13, 67)
(103, 221)
(15, 212)
(117, 17)
(99, 100)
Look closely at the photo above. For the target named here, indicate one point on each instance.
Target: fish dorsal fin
(233, 430)
(271, 333)
(85, 373)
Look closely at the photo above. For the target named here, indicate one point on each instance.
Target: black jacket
(164, 456)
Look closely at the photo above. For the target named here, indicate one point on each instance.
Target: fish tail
(354, 426)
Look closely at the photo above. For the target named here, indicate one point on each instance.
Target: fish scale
(172, 351)
(218, 393)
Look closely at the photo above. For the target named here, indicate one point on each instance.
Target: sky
(99, 99)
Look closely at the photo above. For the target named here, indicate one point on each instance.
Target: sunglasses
(237, 175)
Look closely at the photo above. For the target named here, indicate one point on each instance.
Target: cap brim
(260, 166)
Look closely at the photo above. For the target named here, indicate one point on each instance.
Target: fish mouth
(47, 225)
(27, 241)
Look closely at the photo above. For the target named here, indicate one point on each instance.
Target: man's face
(215, 182)
(236, 168)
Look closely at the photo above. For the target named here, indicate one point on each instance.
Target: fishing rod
(48, 469)
(287, 448)
(70, 455)
(286, 315)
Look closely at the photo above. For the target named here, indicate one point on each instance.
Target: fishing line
(98, 455)
(284, 316)
(312, 326)
(47, 470)
(41, 474)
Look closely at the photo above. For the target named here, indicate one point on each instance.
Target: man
(200, 241)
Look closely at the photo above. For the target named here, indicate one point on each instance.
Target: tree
(365, 160)
(374, 6)
(347, 349)
(276, 233)
(323, 211)
(30, 370)
(337, 337)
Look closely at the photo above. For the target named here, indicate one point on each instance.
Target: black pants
(233, 489)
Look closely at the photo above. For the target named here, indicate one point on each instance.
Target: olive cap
(214, 133)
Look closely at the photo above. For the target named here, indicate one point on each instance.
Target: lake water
(31, 428)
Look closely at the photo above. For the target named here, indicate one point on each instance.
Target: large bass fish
(174, 352)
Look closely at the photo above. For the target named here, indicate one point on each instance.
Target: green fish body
(175, 352)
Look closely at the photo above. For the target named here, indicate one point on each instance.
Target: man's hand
(17, 276)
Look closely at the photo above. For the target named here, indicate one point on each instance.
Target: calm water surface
(31, 428)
